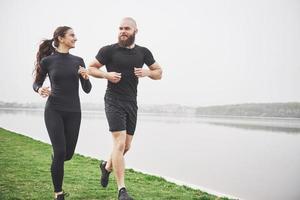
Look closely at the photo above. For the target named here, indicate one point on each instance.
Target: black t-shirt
(62, 69)
(123, 60)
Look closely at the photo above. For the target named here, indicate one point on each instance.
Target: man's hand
(83, 72)
(113, 77)
(140, 72)
(44, 91)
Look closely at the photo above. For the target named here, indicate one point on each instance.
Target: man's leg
(117, 119)
(117, 116)
(119, 143)
(131, 119)
(119, 149)
(128, 141)
(107, 166)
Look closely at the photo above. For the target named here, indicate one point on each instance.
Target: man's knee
(127, 147)
(120, 146)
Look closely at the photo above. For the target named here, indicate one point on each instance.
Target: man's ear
(136, 31)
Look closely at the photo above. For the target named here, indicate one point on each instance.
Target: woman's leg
(55, 127)
(72, 122)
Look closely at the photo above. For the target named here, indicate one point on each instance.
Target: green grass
(25, 174)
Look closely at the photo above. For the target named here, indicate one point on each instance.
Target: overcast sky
(212, 52)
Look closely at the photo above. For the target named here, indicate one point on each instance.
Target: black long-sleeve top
(62, 69)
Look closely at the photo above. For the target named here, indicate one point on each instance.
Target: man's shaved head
(129, 21)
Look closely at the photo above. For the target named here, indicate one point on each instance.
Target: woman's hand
(83, 72)
(44, 91)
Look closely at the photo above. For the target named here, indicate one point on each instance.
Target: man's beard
(128, 42)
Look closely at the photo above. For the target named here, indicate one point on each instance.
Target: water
(248, 158)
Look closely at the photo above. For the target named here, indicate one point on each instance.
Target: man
(124, 61)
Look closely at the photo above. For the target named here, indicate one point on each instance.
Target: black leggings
(63, 128)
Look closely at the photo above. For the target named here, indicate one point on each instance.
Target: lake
(246, 158)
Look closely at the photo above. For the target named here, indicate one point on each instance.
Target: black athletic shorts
(121, 115)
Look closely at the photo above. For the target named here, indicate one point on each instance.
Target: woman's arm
(38, 82)
(84, 78)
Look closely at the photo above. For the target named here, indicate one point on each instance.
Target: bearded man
(124, 66)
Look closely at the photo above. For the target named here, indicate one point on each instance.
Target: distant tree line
(253, 110)
(250, 109)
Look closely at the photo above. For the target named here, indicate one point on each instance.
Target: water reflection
(292, 130)
(22, 111)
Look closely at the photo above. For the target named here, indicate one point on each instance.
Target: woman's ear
(60, 39)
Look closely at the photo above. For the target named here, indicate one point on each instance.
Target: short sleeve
(103, 55)
(148, 59)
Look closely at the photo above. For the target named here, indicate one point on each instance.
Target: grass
(25, 174)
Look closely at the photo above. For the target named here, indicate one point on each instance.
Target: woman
(62, 111)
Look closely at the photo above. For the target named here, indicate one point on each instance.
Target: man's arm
(95, 71)
(154, 72)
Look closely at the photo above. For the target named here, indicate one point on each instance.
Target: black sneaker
(104, 174)
(62, 196)
(123, 195)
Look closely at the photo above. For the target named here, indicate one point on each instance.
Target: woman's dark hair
(46, 48)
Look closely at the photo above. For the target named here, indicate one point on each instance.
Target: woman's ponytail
(45, 49)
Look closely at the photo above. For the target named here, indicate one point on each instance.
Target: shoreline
(196, 187)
